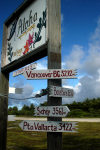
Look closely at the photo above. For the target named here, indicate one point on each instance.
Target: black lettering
(30, 18)
(26, 24)
(35, 17)
(20, 27)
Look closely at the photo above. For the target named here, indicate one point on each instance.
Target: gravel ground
(64, 119)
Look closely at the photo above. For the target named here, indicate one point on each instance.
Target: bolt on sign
(27, 31)
(20, 71)
(55, 91)
(51, 111)
(50, 74)
(48, 126)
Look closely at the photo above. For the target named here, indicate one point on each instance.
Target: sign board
(11, 117)
(15, 90)
(27, 31)
(52, 111)
(50, 74)
(56, 91)
(20, 71)
(48, 126)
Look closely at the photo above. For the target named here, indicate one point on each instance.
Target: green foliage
(77, 113)
(26, 110)
(13, 111)
(43, 104)
(88, 108)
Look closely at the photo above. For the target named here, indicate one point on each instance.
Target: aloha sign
(27, 32)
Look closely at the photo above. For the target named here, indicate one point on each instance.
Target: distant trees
(26, 110)
(88, 108)
(13, 111)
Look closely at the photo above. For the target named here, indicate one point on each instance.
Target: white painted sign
(11, 117)
(20, 71)
(52, 111)
(15, 90)
(56, 91)
(50, 74)
(49, 126)
(27, 32)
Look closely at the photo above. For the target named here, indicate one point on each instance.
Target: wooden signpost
(31, 33)
(48, 126)
(25, 40)
(51, 111)
(55, 91)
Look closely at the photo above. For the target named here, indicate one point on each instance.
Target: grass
(87, 138)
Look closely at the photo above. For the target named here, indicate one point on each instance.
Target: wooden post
(54, 140)
(4, 86)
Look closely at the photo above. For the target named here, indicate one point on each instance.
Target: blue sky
(80, 50)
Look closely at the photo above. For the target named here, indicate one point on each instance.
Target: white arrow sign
(49, 126)
(56, 91)
(50, 74)
(20, 71)
(52, 111)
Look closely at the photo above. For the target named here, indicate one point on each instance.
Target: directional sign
(55, 91)
(52, 111)
(48, 126)
(29, 67)
(15, 90)
(50, 74)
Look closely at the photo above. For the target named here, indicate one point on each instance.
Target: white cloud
(42, 64)
(89, 89)
(75, 57)
(27, 92)
(88, 65)
(92, 63)
(96, 35)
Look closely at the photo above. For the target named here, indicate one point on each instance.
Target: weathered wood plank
(4, 86)
(4, 46)
(54, 140)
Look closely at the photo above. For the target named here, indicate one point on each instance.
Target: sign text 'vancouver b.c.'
(50, 74)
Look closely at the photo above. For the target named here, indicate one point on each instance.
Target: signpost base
(54, 141)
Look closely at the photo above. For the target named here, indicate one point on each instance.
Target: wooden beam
(4, 86)
(54, 140)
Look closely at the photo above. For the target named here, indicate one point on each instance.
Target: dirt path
(64, 119)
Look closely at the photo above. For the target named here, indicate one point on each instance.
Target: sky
(80, 49)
